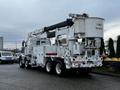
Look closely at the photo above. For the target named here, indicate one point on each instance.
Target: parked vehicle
(6, 57)
(16, 57)
(71, 44)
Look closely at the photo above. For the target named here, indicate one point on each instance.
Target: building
(1, 43)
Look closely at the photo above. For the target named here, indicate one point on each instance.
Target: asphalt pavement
(14, 78)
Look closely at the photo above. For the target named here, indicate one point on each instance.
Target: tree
(102, 47)
(111, 48)
(118, 47)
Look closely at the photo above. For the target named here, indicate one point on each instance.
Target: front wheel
(59, 68)
(21, 64)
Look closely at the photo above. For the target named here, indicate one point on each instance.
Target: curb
(107, 74)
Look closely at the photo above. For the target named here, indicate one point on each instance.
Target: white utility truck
(73, 44)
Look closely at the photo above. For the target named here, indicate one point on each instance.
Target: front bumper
(7, 61)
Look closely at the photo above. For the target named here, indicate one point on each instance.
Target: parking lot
(14, 78)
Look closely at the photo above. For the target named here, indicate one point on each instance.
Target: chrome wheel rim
(58, 69)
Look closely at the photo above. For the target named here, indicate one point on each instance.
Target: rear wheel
(59, 68)
(48, 67)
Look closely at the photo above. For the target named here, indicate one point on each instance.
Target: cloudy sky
(18, 17)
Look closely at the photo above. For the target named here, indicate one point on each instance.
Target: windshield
(6, 54)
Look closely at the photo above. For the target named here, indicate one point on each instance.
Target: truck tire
(59, 68)
(27, 65)
(21, 64)
(49, 67)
